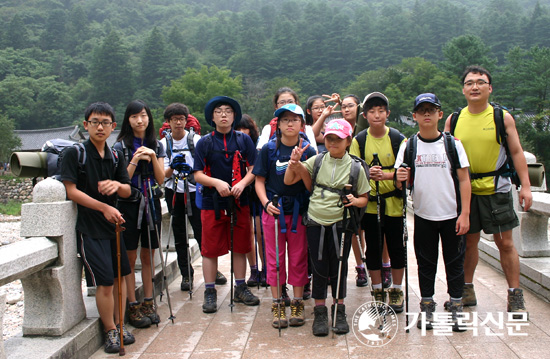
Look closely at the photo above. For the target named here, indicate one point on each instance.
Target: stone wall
(16, 189)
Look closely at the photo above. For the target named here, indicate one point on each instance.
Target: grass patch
(12, 208)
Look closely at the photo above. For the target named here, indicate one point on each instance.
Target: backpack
(409, 156)
(507, 169)
(170, 143)
(56, 148)
(357, 164)
(396, 138)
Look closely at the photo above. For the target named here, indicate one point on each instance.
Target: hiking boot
(254, 278)
(275, 313)
(127, 337)
(516, 304)
(385, 272)
(136, 317)
(428, 308)
(284, 296)
(244, 295)
(396, 299)
(186, 284)
(297, 316)
(456, 311)
(148, 309)
(341, 325)
(307, 291)
(263, 281)
(361, 279)
(210, 304)
(379, 295)
(220, 278)
(112, 341)
(320, 321)
(469, 296)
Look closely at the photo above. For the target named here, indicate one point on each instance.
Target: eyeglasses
(479, 83)
(288, 120)
(350, 106)
(178, 119)
(228, 112)
(318, 108)
(424, 110)
(285, 102)
(95, 123)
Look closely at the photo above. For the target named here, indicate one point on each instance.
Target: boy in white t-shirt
(441, 199)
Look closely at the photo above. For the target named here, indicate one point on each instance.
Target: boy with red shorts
(223, 165)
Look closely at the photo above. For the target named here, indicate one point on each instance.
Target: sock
(468, 283)
(134, 303)
(274, 300)
(238, 282)
(386, 265)
(511, 290)
(456, 300)
(148, 299)
(397, 286)
(297, 298)
(360, 266)
(427, 299)
(377, 286)
(210, 285)
(255, 267)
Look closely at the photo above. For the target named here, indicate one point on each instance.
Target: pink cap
(338, 127)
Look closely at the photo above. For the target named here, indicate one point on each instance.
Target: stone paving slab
(247, 333)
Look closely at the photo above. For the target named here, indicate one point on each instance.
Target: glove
(177, 161)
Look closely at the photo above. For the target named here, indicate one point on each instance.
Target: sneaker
(516, 304)
(456, 311)
(379, 295)
(469, 296)
(320, 321)
(210, 304)
(254, 278)
(220, 278)
(127, 337)
(429, 309)
(284, 296)
(244, 295)
(386, 277)
(297, 316)
(136, 317)
(341, 326)
(307, 291)
(396, 299)
(361, 279)
(112, 341)
(186, 284)
(148, 309)
(276, 318)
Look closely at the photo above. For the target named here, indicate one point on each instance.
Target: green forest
(57, 56)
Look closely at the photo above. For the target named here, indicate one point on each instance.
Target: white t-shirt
(266, 131)
(434, 196)
(180, 146)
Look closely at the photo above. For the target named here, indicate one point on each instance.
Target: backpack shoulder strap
(362, 140)
(409, 156)
(452, 155)
(191, 140)
(81, 151)
(454, 120)
(396, 138)
(498, 115)
(357, 164)
(316, 167)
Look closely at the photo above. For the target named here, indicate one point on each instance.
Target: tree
(53, 36)
(196, 87)
(17, 35)
(464, 51)
(155, 70)
(9, 141)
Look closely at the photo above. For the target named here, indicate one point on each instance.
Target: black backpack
(507, 169)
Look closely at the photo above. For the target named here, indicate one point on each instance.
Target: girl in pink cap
(328, 173)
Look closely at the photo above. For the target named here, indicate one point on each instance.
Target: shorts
(100, 260)
(216, 234)
(134, 236)
(492, 213)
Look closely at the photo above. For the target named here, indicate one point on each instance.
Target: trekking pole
(186, 198)
(119, 229)
(170, 230)
(376, 162)
(275, 202)
(344, 199)
(254, 204)
(162, 264)
(231, 200)
(405, 240)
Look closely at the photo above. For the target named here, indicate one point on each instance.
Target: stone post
(53, 296)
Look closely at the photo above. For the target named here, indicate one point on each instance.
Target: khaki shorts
(492, 213)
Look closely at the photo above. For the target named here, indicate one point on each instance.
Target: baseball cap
(426, 98)
(338, 127)
(373, 95)
(292, 107)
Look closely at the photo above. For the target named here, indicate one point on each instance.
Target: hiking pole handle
(275, 202)
(404, 183)
(375, 159)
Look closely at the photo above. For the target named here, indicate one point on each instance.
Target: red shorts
(216, 234)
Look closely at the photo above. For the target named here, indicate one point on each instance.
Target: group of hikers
(297, 197)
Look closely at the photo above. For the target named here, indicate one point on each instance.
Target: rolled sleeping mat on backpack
(29, 164)
(536, 174)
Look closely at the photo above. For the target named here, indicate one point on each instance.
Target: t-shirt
(434, 195)
(216, 160)
(382, 146)
(477, 132)
(89, 221)
(334, 173)
(180, 146)
(275, 174)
